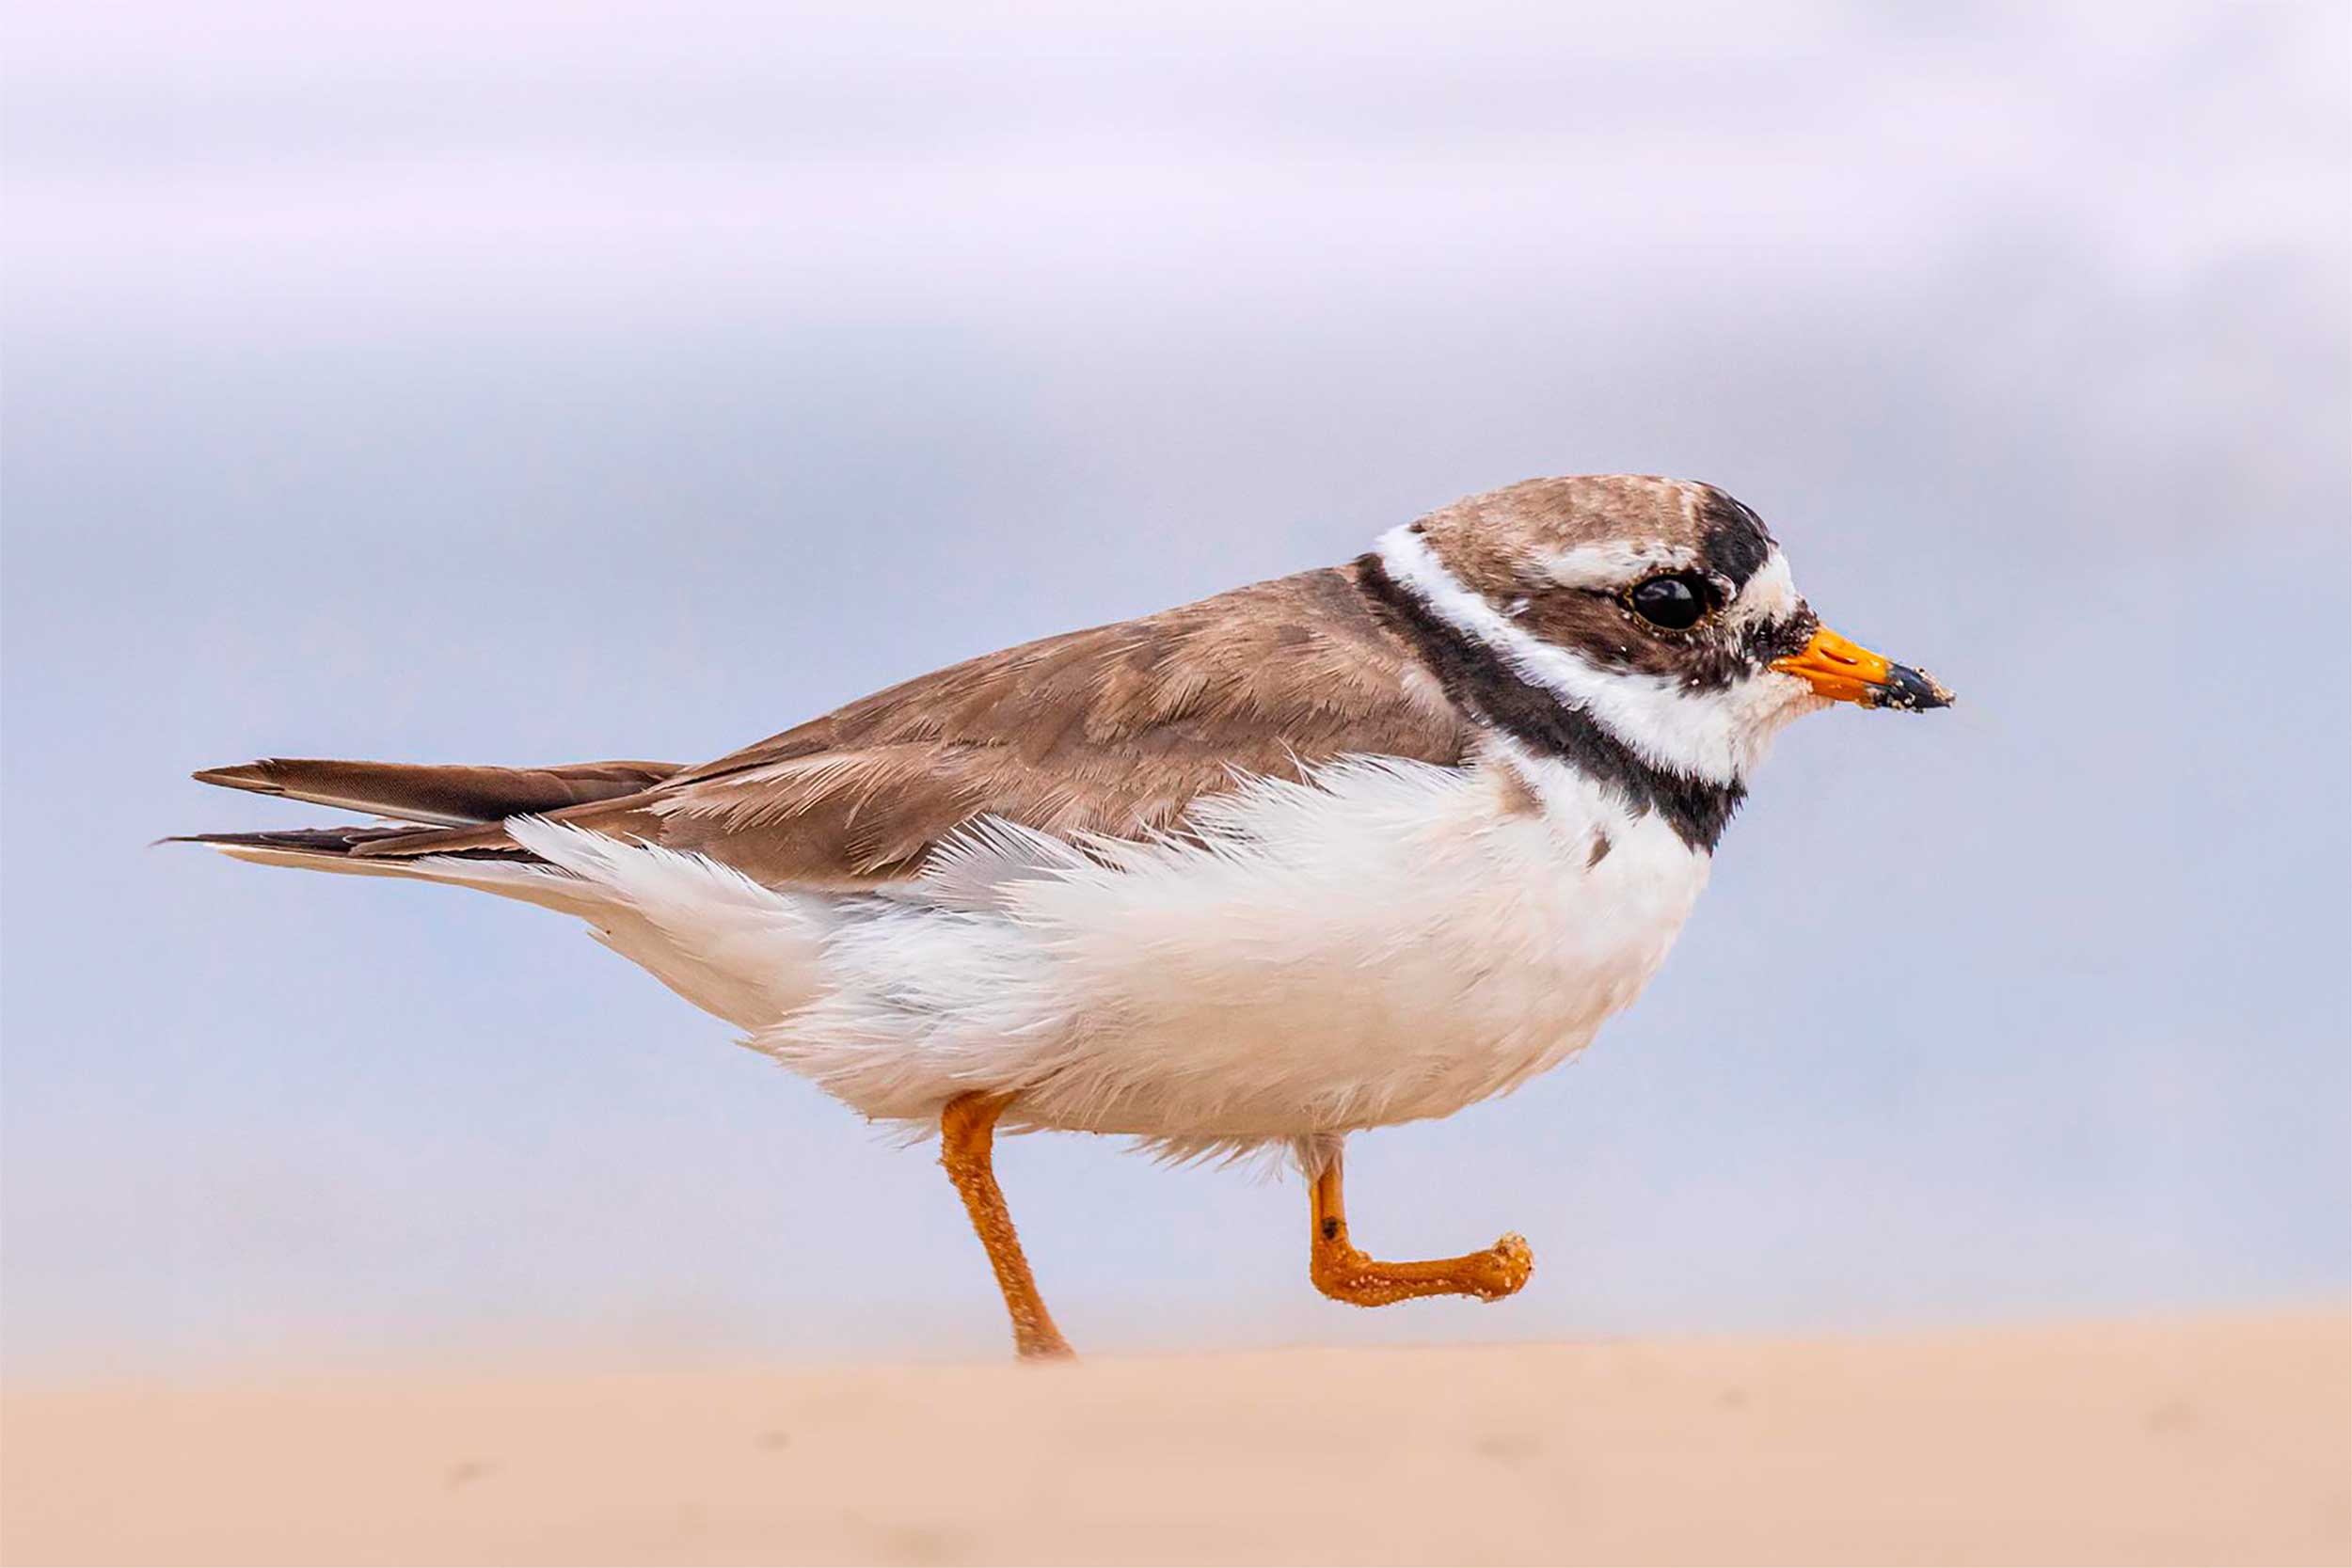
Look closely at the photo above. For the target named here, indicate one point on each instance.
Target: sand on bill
(2204, 1441)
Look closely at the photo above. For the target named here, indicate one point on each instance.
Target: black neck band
(1478, 679)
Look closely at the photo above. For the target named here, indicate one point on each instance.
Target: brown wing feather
(1114, 730)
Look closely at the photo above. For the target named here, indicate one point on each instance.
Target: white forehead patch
(1771, 594)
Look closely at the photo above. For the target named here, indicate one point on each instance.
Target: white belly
(1392, 942)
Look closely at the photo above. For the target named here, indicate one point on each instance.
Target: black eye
(1675, 603)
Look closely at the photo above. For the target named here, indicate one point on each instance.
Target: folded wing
(1116, 730)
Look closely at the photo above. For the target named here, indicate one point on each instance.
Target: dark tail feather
(441, 796)
(506, 869)
(335, 842)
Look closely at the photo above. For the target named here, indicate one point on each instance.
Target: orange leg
(1346, 1275)
(967, 1134)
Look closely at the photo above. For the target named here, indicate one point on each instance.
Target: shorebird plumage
(1356, 846)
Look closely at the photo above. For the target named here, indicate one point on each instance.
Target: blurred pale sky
(527, 382)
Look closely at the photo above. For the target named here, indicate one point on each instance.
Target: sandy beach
(2217, 1440)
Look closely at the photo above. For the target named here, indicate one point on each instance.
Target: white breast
(1392, 942)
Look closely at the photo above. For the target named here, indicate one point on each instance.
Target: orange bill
(1847, 671)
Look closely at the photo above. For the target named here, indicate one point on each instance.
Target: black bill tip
(1911, 690)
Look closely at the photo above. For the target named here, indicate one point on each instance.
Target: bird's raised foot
(1345, 1273)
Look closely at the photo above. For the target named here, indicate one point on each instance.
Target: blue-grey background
(527, 382)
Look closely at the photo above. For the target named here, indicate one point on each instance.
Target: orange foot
(1344, 1273)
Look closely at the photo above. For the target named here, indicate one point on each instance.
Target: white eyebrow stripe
(1615, 564)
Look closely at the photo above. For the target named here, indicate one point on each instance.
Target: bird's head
(1661, 609)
